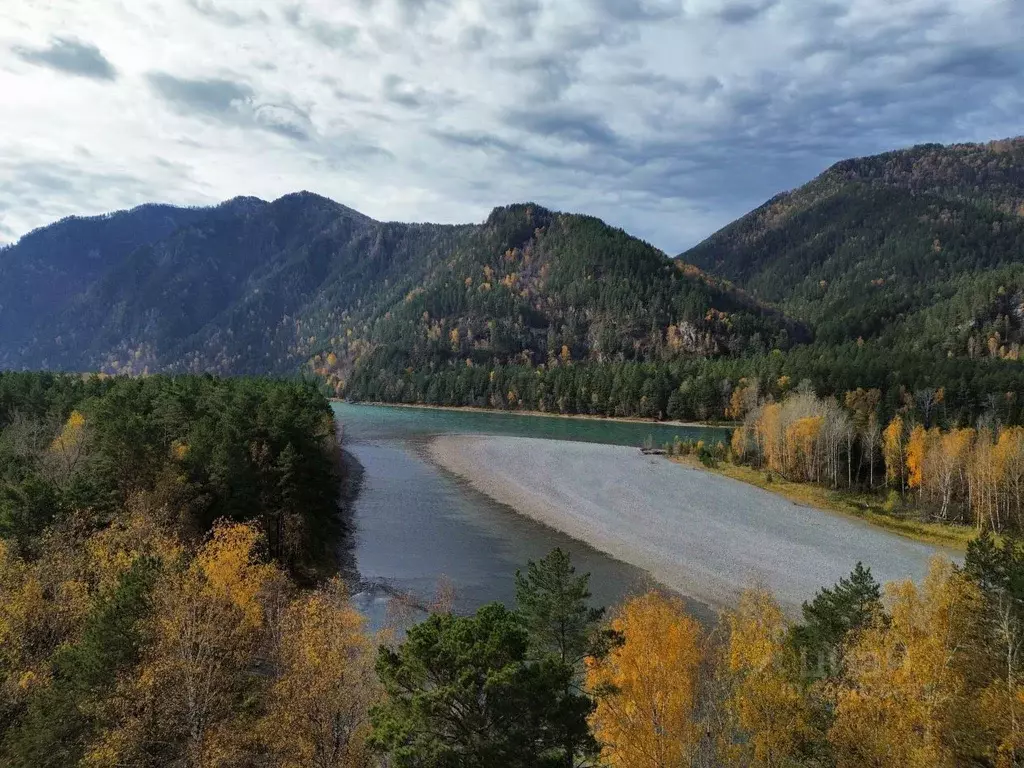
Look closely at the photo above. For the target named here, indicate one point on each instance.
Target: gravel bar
(699, 533)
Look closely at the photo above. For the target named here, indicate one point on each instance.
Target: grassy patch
(864, 506)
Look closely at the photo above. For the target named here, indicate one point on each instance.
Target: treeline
(696, 388)
(967, 475)
(203, 448)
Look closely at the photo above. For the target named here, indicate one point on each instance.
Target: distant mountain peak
(251, 286)
(242, 202)
(305, 198)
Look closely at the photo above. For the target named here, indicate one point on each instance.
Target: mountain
(920, 250)
(41, 275)
(304, 283)
(902, 272)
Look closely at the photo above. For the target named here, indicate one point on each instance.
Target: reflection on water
(415, 524)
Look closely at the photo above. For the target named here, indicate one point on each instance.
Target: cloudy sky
(666, 117)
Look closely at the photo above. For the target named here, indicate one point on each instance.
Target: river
(415, 524)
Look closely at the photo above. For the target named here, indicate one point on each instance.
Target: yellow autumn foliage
(650, 720)
(317, 708)
(768, 712)
(905, 698)
(916, 449)
(207, 626)
(893, 451)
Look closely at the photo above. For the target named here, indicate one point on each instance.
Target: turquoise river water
(415, 525)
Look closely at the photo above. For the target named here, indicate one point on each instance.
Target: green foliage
(554, 605)
(918, 249)
(997, 567)
(44, 275)
(833, 613)
(462, 693)
(564, 628)
(240, 449)
(499, 687)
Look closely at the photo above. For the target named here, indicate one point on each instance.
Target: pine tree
(462, 692)
(563, 630)
(834, 612)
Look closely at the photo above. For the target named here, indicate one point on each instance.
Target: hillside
(47, 270)
(530, 288)
(304, 283)
(901, 272)
(920, 249)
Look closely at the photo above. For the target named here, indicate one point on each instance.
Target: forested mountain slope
(535, 288)
(42, 275)
(303, 282)
(921, 249)
(901, 272)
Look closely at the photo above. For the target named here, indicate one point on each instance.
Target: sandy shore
(704, 535)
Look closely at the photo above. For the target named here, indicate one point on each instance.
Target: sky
(668, 118)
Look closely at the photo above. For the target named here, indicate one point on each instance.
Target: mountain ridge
(254, 286)
(897, 271)
(870, 247)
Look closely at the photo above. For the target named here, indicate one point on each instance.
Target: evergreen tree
(833, 613)
(554, 606)
(461, 693)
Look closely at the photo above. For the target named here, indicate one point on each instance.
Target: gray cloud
(564, 125)
(285, 119)
(745, 11)
(398, 91)
(331, 35)
(519, 15)
(666, 117)
(232, 102)
(71, 56)
(978, 63)
(640, 10)
(401, 92)
(414, 10)
(59, 186)
(214, 97)
(227, 16)
(475, 140)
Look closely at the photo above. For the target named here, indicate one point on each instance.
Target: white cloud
(667, 117)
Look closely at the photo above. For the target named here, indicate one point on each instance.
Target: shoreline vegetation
(861, 505)
(723, 425)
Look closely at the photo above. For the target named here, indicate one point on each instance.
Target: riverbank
(544, 414)
(859, 506)
(702, 534)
